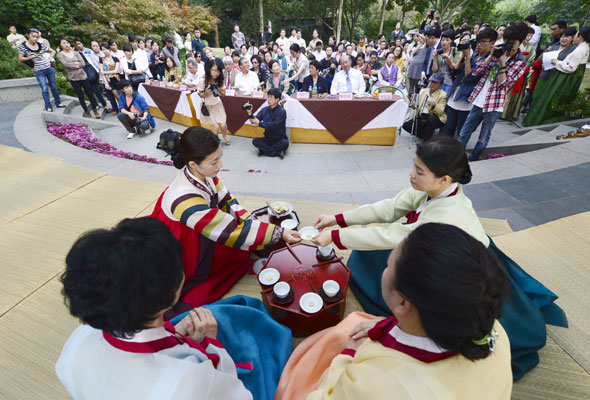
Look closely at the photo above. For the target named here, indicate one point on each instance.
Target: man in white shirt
(319, 53)
(282, 41)
(247, 81)
(347, 80)
(193, 74)
(531, 21)
(139, 56)
(293, 37)
(299, 40)
(15, 38)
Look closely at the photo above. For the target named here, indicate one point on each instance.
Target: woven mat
(33, 247)
(558, 254)
(34, 322)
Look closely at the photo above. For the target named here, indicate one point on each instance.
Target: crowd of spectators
(455, 78)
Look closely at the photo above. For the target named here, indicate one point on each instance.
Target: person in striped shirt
(215, 231)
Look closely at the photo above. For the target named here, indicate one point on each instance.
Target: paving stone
(531, 189)
(487, 196)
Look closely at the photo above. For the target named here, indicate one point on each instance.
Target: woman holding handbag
(132, 73)
(211, 89)
(109, 70)
(74, 66)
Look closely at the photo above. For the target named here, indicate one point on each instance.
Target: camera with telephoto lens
(213, 88)
(247, 107)
(503, 48)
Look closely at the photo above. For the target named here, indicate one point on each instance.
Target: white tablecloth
(182, 107)
(299, 117)
(196, 99)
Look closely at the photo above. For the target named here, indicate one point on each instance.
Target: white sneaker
(131, 135)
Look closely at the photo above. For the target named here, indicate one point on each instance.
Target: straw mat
(28, 182)
(557, 254)
(33, 247)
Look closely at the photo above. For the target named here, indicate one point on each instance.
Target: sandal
(108, 109)
(96, 114)
(87, 114)
(60, 106)
(49, 109)
(227, 142)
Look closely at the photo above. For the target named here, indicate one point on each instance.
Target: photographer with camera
(134, 112)
(430, 109)
(458, 105)
(211, 89)
(421, 63)
(446, 59)
(498, 72)
(272, 118)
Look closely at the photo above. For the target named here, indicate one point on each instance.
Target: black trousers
(78, 86)
(271, 149)
(426, 124)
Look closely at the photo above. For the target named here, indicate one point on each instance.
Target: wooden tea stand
(297, 265)
(263, 215)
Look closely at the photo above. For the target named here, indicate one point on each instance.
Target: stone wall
(15, 90)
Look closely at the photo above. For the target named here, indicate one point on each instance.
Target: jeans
(112, 99)
(475, 117)
(78, 86)
(95, 87)
(130, 124)
(46, 79)
(455, 120)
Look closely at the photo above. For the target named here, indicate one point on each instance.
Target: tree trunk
(261, 11)
(383, 5)
(339, 17)
(403, 13)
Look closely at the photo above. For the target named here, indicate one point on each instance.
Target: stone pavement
(527, 189)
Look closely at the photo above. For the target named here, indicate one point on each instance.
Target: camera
(138, 115)
(503, 48)
(213, 88)
(463, 46)
(247, 107)
(439, 52)
(332, 70)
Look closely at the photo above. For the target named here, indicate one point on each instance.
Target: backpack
(168, 141)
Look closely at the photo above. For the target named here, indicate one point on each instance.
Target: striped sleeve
(193, 210)
(229, 203)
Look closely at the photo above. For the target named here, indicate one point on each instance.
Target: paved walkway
(526, 189)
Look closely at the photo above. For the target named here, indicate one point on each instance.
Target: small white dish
(282, 289)
(289, 224)
(269, 276)
(283, 205)
(311, 303)
(331, 288)
(308, 232)
(258, 265)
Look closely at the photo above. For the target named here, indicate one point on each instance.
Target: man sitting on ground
(272, 118)
(430, 113)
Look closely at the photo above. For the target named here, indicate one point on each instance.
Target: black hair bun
(465, 179)
(177, 160)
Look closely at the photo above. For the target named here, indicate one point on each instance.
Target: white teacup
(331, 288)
(325, 251)
(281, 289)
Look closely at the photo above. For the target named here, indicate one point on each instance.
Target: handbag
(204, 110)
(136, 79)
(91, 73)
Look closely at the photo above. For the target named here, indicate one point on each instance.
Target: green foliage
(578, 108)
(10, 67)
(53, 17)
(571, 11)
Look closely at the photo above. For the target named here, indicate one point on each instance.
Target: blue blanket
(250, 334)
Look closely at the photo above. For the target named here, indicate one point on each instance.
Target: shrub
(10, 67)
(578, 108)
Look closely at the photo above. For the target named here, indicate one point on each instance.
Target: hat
(168, 39)
(438, 78)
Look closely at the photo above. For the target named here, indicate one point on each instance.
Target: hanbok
(216, 234)
(560, 88)
(260, 349)
(529, 305)
(390, 75)
(391, 364)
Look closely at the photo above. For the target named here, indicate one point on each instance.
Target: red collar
(412, 216)
(381, 334)
(160, 344)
